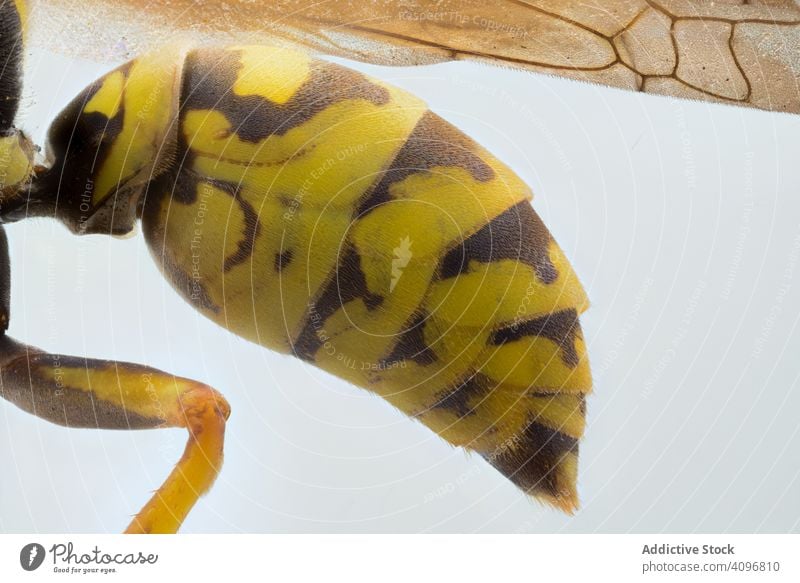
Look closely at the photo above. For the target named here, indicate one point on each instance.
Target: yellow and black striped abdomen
(327, 215)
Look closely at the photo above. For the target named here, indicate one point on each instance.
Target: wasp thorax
(108, 144)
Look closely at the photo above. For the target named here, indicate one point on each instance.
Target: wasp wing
(738, 51)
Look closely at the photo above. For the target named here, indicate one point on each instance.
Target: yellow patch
(537, 362)
(559, 412)
(15, 161)
(211, 229)
(502, 292)
(271, 72)
(129, 388)
(22, 10)
(108, 98)
(149, 97)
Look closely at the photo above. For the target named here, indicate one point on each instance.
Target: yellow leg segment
(203, 412)
(77, 392)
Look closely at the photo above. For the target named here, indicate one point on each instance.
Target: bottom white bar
(400, 558)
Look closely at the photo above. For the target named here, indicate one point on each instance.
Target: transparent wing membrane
(743, 52)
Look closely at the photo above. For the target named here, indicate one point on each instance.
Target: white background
(681, 218)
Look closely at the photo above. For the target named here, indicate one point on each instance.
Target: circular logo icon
(31, 556)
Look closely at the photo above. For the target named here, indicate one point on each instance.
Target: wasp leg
(106, 394)
(88, 393)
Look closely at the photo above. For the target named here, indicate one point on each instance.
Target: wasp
(329, 216)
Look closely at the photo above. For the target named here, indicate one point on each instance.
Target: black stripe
(560, 327)
(210, 75)
(193, 289)
(5, 282)
(348, 283)
(532, 461)
(80, 143)
(518, 234)
(283, 259)
(252, 226)
(471, 390)
(411, 344)
(433, 143)
(11, 52)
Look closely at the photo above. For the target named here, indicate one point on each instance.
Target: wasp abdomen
(327, 215)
